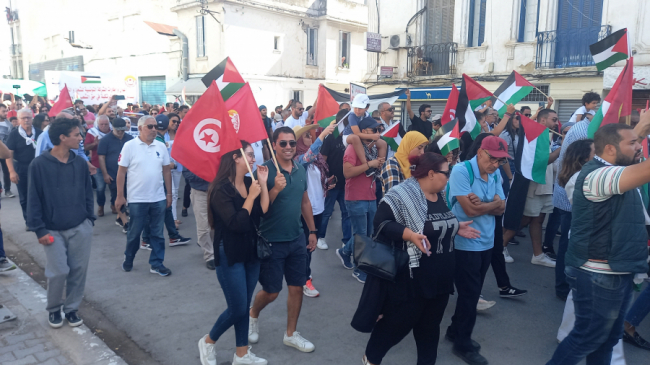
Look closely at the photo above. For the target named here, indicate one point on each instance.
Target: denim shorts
(288, 259)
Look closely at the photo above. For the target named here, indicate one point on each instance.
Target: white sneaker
(309, 290)
(507, 256)
(248, 359)
(542, 260)
(253, 330)
(298, 342)
(206, 351)
(484, 304)
(322, 244)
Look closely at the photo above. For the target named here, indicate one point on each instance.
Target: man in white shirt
(298, 115)
(386, 115)
(148, 165)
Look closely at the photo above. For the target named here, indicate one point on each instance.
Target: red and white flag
(64, 102)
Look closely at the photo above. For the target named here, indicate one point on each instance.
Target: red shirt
(94, 157)
(359, 187)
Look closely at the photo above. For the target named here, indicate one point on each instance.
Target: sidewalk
(29, 339)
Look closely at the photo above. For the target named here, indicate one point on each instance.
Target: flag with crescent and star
(206, 134)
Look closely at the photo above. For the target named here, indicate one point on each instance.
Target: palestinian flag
(512, 91)
(227, 77)
(392, 137)
(326, 107)
(91, 80)
(450, 137)
(610, 50)
(375, 99)
(533, 157)
(618, 102)
(472, 95)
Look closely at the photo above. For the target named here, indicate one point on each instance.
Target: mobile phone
(119, 97)
(541, 103)
(426, 249)
(334, 180)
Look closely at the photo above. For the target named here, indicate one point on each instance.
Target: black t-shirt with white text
(334, 149)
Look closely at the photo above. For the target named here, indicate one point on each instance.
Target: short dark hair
(341, 106)
(589, 97)
(171, 115)
(423, 107)
(78, 101)
(524, 108)
(183, 107)
(283, 129)
(479, 115)
(61, 126)
(608, 134)
(544, 113)
(3, 106)
(427, 162)
(38, 120)
(13, 118)
(437, 122)
(90, 109)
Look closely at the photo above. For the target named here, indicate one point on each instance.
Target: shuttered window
(476, 23)
(528, 20)
(312, 46)
(440, 21)
(200, 36)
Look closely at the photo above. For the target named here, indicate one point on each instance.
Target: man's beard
(623, 160)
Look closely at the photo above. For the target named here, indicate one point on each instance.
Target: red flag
(450, 108)
(205, 135)
(326, 107)
(622, 95)
(63, 103)
(245, 116)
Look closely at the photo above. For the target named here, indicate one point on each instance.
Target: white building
(284, 48)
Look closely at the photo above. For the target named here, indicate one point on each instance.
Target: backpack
(470, 170)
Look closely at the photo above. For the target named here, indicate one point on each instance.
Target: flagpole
(243, 154)
(541, 92)
(275, 159)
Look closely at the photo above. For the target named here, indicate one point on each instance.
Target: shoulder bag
(376, 258)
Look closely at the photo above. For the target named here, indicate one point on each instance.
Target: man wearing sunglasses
(475, 195)
(538, 200)
(386, 115)
(421, 123)
(298, 115)
(281, 226)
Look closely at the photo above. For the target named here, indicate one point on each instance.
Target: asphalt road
(165, 317)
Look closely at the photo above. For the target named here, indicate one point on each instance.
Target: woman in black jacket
(236, 203)
(418, 223)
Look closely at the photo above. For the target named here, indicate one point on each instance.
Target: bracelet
(508, 114)
(367, 164)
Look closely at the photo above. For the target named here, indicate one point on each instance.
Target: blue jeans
(233, 280)
(333, 196)
(172, 232)
(362, 213)
(635, 315)
(561, 285)
(2, 245)
(601, 301)
(101, 188)
(151, 215)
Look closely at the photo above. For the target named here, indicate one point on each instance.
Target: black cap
(162, 122)
(119, 124)
(368, 122)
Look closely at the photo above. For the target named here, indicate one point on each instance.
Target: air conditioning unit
(401, 40)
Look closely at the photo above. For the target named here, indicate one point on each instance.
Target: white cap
(361, 101)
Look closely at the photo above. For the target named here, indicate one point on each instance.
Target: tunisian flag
(245, 115)
(63, 103)
(206, 134)
(450, 108)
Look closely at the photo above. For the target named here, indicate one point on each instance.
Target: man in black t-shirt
(333, 150)
(421, 123)
(108, 150)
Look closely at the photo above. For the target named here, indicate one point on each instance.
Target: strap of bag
(381, 226)
(470, 171)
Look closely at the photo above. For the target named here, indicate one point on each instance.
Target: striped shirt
(576, 133)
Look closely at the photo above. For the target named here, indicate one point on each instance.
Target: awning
(163, 29)
(193, 86)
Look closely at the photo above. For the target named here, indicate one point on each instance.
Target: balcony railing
(568, 48)
(432, 59)
(15, 49)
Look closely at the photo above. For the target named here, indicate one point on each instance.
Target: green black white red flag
(512, 91)
(227, 77)
(450, 139)
(618, 102)
(536, 149)
(472, 95)
(611, 49)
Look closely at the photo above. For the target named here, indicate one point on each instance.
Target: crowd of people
(447, 219)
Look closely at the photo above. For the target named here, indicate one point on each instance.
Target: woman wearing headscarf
(398, 168)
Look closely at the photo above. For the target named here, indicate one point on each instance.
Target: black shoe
(451, 339)
(73, 319)
(550, 253)
(520, 234)
(127, 265)
(160, 270)
(636, 340)
(513, 241)
(511, 292)
(561, 297)
(210, 264)
(184, 212)
(179, 241)
(470, 357)
(119, 222)
(55, 319)
(125, 228)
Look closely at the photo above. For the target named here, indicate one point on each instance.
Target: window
(528, 20)
(200, 36)
(312, 46)
(152, 89)
(476, 23)
(276, 43)
(296, 95)
(536, 95)
(440, 21)
(344, 49)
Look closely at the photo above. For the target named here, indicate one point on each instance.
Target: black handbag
(263, 246)
(376, 258)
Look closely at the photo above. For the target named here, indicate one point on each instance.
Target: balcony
(15, 50)
(568, 48)
(432, 60)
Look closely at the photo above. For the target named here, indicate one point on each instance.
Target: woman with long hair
(177, 170)
(236, 204)
(41, 121)
(411, 217)
(397, 168)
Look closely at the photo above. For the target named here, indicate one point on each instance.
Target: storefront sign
(386, 71)
(373, 42)
(355, 90)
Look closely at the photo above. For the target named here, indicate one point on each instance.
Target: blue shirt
(352, 120)
(576, 133)
(459, 185)
(43, 143)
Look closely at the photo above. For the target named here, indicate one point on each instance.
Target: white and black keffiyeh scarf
(409, 206)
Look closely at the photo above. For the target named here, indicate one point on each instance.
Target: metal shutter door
(437, 107)
(566, 108)
(152, 90)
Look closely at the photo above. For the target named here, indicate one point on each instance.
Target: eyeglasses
(150, 126)
(528, 115)
(446, 173)
(390, 110)
(493, 160)
(300, 109)
(251, 155)
(291, 143)
(174, 121)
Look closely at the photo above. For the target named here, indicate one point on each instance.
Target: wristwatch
(313, 232)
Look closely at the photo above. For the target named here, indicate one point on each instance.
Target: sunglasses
(390, 110)
(150, 126)
(528, 115)
(175, 121)
(493, 160)
(301, 109)
(446, 173)
(291, 143)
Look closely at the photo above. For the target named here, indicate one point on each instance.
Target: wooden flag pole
(552, 131)
(243, 154)
(541, 92)
(275, 159)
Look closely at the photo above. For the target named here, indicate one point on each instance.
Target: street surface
(165, 317)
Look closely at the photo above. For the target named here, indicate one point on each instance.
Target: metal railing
(432, 59)
(15, 49)
(568, 48)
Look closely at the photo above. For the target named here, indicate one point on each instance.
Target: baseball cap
(496, 147)
(368, 122)
(361, 101)
(119, 124)
(162, 122)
